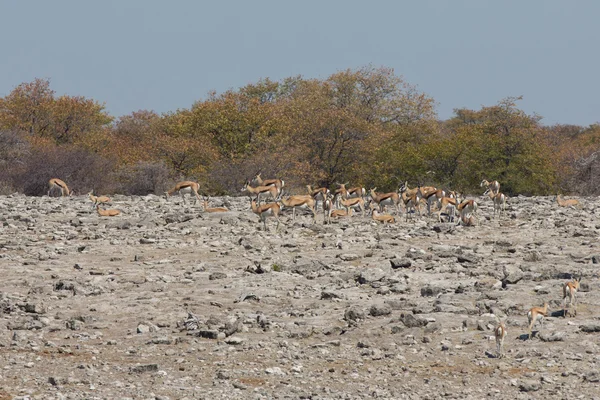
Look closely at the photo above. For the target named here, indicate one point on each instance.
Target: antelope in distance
(383, 218)
(500, 334)
(537, 314)
(329, 211)
(499, 200)
(466, 210)
(448, 204)
(278, 183)
(494, 186)
(107, 213)
(57, 184)
(261, 191)
(411, 199)
(319, 194)
(212, 209)
(184, 187)
(340, 192)
(567, 203)
(385, 199)
(303, 201)
(569, 291)
(432, 195)
(356, 203)
(98, 199)
(265, 211)
(356, 192)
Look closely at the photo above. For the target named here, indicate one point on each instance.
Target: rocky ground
(169, 302)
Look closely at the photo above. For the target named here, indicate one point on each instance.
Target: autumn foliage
(366, 126)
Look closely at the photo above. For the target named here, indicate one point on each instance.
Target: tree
(32, 108)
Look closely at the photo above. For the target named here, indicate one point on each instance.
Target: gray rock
(378, 310)
(590, 328)
(400, 263)
(530, 386)
(431, 291)
(512, 274)
(354, 314)
(138, 369)
(551, 337)
(410, 321)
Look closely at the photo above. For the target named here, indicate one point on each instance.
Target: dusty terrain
(168, 302)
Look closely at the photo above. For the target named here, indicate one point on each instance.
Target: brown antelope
(432, 194)
(466, 208)
(184, 187)
(57, 184)
(304, 201)
(319, 194)
(278, 183)
(411, 201)
(494, 186)
(340, 193)
(357, 203)
(213, 209)
(569, 291)
(449, 205)
(356, 192)
(386, 199)
(265, 211)
(409, 192)
(500, 333)
(329, 211)
(107, 213)
(537, 314)
(567, 203)
(383, 218)
(261, 191)
(98, 199)
(499, 200)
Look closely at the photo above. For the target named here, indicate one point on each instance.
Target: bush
(144, 178)
(81, 170)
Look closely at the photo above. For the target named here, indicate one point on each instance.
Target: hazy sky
(164, 55)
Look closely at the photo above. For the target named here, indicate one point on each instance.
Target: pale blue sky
(164, 55)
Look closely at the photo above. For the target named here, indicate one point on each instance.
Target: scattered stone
(400, 263)
(138, 369)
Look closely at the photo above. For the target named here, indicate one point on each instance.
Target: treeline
(366, 126)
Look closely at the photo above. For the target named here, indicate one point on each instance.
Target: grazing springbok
(57, 184)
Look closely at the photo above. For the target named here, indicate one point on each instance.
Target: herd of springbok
(343, 201)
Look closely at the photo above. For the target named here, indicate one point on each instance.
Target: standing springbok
(319, 194)
(304, 201)
(183, 188)
(356, 203)
(537, 314)
(278, 183)
(569, 291)
(386, 199)
(494, 186)
(500, 333)
(265, 211)
(499, 200)
(261, 191)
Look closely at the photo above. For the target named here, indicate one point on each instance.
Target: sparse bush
(144, 178)
(81, 170)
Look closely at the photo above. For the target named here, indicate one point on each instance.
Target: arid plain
(166, 301)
